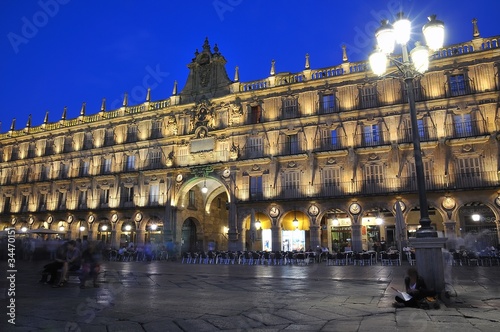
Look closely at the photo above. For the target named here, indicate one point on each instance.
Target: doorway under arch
(189, 238)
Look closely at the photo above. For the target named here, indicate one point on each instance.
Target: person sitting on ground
(90, 265)
(72, 262)
(58, 263)
(415, 287)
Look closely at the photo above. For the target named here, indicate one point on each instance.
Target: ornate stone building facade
(293, 161)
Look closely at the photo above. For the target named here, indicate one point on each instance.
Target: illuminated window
(256, 187)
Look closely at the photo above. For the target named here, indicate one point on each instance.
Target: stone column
(90, 234)
(450, 233)
(276, 234)
(315, 236)
(356, 241)
(430, 263)
(113, 240)
(139, 237)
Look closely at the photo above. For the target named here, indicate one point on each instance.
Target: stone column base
(430, 263)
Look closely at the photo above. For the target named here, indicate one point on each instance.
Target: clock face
(274, 212)
(114, 217)
(70, 219)
(91, 219)
(13, 221)
(355, 208)
(179, 178)
(226, 173)
(138, 217)
(31, 220)
(49, 219)
(313, 210)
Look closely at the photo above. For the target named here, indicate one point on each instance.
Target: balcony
(394, 185)
(372, 138)
(466, 129)
(426, 134)
(252, 152)
(291, 147)
(330, 143)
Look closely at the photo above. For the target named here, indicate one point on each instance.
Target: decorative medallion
(449, 203)
(355, 208)
(138, 217)
(292, 164)
(274, 212)
(313, 210)
(50, 219)
(70, 219)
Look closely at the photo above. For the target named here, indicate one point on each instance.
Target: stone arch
(214, 185)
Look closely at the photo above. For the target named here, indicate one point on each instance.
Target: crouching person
(90, 266)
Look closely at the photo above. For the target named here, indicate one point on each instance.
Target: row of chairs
(363, 258)
(136, 255)
(472, 258)
(248, 258)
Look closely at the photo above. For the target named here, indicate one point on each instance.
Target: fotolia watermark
(30, 28)
(137, 95)
(222, 6)
(366, 37)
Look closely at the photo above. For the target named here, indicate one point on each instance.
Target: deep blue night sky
(57, 53)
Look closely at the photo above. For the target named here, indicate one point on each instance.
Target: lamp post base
(430, 262)
(426, 233)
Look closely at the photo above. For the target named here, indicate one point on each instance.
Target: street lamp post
(427, 244)
(412, 65)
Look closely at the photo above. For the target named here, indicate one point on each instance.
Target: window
(328, 103)
(331, 177)
(469, 167)
(6, 204)
(292, 180)
(82, 199)
(427, 171)
(183, 155)
(329, 139)
(24, 203)
(254, 147)
(104, 196)
(87, 143)
(31, 151)
(255, 114)
(368, 96)
(130, 163)
(109, 137)
(106, 168)
(156, 129)
(374, 173)
(155, 158)
(62, 200)
(417, 91)
(154, 194)
(45, 173)
(458, 85)
(256, 187)
(42, 202)
(84, 170)
(129, 194)
(371, 135)
(49, 148)
(290, 108)
(132, 133)
(463, 125)
(469, 172)
(292, 144)
(64, 171)
(192, 199)
(68, 144)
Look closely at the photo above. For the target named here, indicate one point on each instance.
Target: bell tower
(207, 75)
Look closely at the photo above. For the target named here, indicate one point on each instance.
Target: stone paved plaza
(170, 296)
